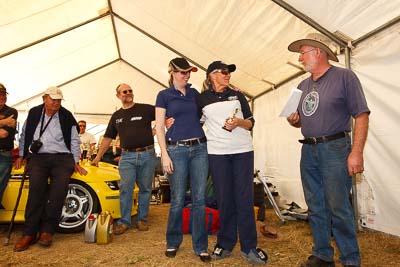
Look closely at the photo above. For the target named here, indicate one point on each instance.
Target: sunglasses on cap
(223, 72)
(127, 91)
(183, 72)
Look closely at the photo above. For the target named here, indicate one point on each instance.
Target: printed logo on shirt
(232, 98)
(136, 118)
(118, 120)
(310, 103)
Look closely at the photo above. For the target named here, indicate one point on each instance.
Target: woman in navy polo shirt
(183, 154)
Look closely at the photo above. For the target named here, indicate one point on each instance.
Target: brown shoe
(120, 229)
(142, 226)
(314, 261)
(24, 243)
(45, 239)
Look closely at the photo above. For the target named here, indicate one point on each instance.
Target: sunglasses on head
(223, 72)
(182, 72)
(127, 91)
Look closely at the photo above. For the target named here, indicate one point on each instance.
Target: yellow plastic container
(104, 231)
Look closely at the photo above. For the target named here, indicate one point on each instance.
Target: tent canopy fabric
(89, 47)
(67, 39)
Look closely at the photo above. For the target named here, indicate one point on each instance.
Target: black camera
(35, 146)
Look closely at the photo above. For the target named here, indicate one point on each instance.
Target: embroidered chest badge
(310, 103)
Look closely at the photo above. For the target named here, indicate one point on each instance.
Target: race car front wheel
(80, 202)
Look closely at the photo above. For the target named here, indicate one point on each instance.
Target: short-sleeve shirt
(8, 142)
(184, 110)
(133, 126)
(327, 104)
(87, 138)
(216, 107)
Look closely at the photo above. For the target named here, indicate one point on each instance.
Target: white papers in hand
(292, 103)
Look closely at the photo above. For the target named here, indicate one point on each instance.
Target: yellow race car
(97, 191)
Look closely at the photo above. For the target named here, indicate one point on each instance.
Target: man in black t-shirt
(132, 123)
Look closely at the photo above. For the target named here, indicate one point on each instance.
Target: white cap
(54, 92)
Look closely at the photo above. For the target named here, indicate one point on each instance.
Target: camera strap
(41, 125)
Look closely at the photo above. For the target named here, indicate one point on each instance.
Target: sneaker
(256, 256)
(205, 257)
(314, 261)
(220, 253)
(120, 229)
(142, 226)
(171, 252)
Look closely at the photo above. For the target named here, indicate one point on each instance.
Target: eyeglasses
(223, 72)
(127, 91)
(182, 72)
(302, 53)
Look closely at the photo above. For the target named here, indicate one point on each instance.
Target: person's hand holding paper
(292, 103)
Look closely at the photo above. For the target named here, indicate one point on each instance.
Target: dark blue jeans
(136, 167)
(327, 185)
(188, 161)
(5, 170)
(232, 176)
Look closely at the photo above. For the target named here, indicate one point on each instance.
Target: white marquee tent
(87, 47)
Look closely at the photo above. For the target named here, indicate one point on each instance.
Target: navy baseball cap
(218, 65)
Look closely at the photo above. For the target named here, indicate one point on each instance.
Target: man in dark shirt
(8, 117)
(331, 97)
(132, 123)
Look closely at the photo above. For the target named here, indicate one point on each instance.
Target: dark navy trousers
(46, 199)
(232, 176)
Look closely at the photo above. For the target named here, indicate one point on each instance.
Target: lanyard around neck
(41, 124)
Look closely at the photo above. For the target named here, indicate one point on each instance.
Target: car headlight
(113, 185)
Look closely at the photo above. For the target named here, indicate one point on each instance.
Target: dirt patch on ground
(134, 248)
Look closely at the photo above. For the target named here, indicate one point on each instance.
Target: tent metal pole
(114, 28)
(310, 22)
(347, 54)
(376, 31)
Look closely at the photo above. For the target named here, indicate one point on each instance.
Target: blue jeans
(327, 185)
(5, 170)
(193, 161)
(136, 167)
